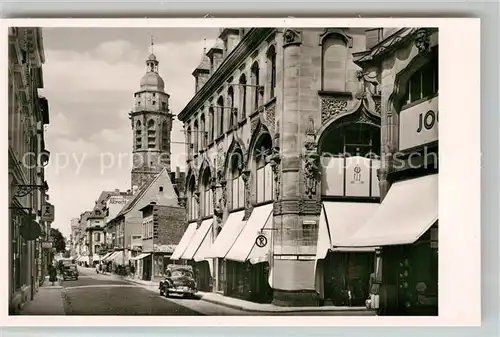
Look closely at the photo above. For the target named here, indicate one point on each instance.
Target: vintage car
(70, 272)
(178, 280)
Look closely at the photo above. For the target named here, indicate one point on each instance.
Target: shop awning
(340, 220)
(197, 239)
(407, 212)
(245, 248)
(185, 240)
(141, 256)
(204, 251)
(227, 236)
(117, 257)
(106, 256)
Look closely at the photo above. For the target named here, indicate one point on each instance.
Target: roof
(139, 194)
(152, 81)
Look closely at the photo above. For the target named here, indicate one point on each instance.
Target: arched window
(203, 130)
(350, 157)
(255, 86)
(230, 103)
(208, 208)
(271, 64)
(211, 122)
(193, 205)
(189, 142)
(243, 96)
(334, 65)
(220, 105)
(237, 184)
(165, 136)
(138, 135)
(151, 134)
(264, 189)
(196, 139)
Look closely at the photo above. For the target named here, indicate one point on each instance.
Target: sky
(90, 76)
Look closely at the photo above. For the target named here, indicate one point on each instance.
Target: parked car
(178, 280)
(70, 272)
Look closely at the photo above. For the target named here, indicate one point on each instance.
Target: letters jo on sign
(418, 124)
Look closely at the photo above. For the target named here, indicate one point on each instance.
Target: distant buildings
(29, 229)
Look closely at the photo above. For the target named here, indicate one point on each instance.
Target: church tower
(151, 122)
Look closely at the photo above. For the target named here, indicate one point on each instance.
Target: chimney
(177, 172)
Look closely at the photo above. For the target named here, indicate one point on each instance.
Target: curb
(238, 307)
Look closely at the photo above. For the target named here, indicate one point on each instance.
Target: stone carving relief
(275, 161)
(270, 115)
(254, 124)
(311, 161)
(291, 36)
(330, 107)
(422, 40)
(245, 175)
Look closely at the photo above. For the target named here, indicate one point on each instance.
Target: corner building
(283, 138)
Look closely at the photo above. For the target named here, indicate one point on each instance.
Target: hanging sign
(261, 241)
(30, 229)
(47, 212)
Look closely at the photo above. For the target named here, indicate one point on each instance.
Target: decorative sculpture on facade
(291, 36)
(245, 175)
(330, 107)
(311, 161)
(422, 40)
(275, 160)
(368, 91)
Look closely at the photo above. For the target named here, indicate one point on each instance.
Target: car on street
(179, 280)
(70, 272)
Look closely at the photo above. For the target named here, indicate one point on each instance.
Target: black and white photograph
(223, 171)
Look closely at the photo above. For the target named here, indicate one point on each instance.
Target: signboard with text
(47, 212)
(418, 124)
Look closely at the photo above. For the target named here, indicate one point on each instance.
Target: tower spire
(152, 43)
(204, 45)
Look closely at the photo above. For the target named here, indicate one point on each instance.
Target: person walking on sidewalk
(52, 274)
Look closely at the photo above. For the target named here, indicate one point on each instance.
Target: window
(255, 86)
(195, 142)
(189, 143)
(203, 131)
(220, 105)
(243, 96)
(138, 135)
(233, 113)
(271, 61)
(211, 125)
(165, 136)
(160, 189)
(423, 84)
(192, 205)
(237, 186)
(207, 195)
(97, 236)
(334, 65)
(151, 134)
(164, 105)
(154, 102)
(263, 171)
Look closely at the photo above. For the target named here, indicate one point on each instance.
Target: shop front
(227, 274)
(247, 260)
(342, 275)
(203, 268)
(183, 244)
(405, 227)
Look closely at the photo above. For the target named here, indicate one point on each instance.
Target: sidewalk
(47, 301)
(260, 308)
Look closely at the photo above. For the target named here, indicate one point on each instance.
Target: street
(97, 294)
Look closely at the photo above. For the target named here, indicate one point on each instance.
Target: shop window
(423, 84)
(350, 157)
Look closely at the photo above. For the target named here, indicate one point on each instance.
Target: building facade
(405, 227)
(283, 142)
(162, 229)
(28, 113)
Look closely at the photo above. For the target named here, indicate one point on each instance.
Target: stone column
(290, 273)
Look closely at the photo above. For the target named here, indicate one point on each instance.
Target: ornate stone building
(151, 122)
(283, 137)
(28, 114)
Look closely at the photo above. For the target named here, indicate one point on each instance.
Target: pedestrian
(52, 274)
